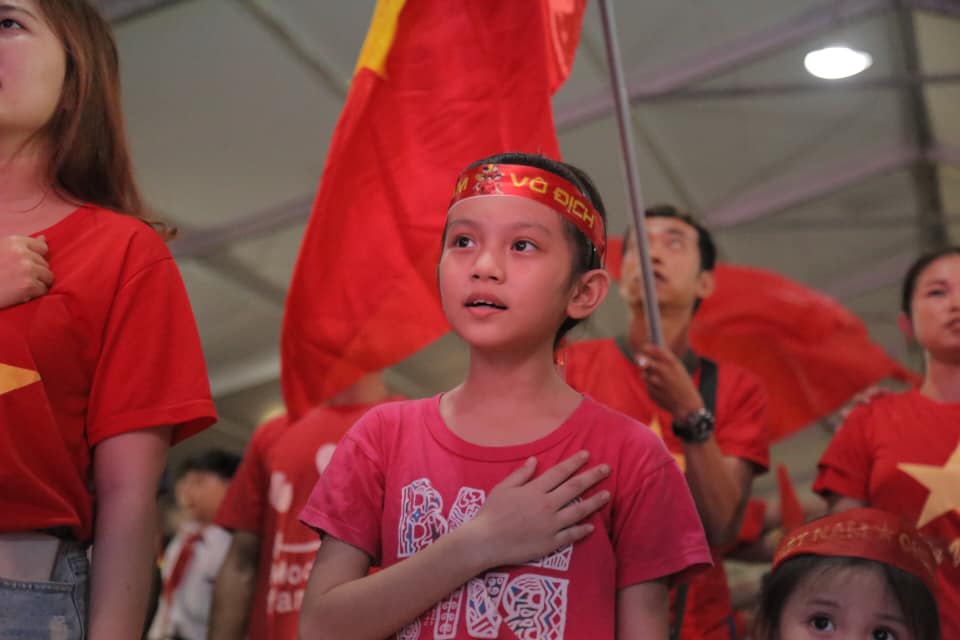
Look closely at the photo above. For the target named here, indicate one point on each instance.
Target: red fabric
(116, 349)
(791, 511)
(245, 502)
(279, 470)
(462, 80)
(599, 368)
(872, 534)
(753, 521)
(815, 353)
(883, 454)
(175, 577)
(401, 478)
(811, 352)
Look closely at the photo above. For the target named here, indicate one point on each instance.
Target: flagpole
(651, 311)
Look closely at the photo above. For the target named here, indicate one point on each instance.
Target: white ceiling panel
(222, 119)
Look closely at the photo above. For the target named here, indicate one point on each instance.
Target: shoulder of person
(585, 349)
(626, 433)
(144, 244)
(871, 402)
(383, 424)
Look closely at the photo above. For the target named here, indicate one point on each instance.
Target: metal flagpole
(652, 312)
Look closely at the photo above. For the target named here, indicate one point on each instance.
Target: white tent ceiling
(231, 105)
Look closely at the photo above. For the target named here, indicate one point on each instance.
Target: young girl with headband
(476, 503)
(860, 574)
(100, 362)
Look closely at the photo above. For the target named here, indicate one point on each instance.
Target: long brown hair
(90, 159)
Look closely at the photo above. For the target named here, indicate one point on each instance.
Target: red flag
(791, 511)
(438, 85)
(811, 352)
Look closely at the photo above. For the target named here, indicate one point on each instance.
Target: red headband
(538, 185)
(863, 533)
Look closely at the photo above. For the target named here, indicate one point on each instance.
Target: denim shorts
(54, 610)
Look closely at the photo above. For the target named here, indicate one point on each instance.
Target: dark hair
(585, 256)
(705, 244)
(917, 604)
(913, 274)
(90, 159)
(216, 461)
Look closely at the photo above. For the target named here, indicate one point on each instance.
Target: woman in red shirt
(901, 452)
(100, 361)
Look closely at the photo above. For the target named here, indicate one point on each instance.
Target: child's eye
(461, 242)
(883, 634)
(523, 245)
(10, 23)
(936, 292)
(822, 623)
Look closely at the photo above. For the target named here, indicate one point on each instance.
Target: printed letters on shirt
(532, 605)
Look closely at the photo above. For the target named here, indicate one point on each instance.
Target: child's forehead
(832, 580)
(502, 210)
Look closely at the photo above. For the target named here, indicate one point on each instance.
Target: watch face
(696, 427)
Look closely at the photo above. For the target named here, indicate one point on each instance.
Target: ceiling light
(833, 63)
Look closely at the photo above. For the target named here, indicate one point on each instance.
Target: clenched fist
(24, 272)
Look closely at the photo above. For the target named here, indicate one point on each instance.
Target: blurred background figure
(260, 587)
(194, 555)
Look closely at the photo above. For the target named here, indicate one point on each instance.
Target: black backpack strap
(708, 393)
(708, 384)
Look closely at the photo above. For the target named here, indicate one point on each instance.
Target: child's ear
(589, 291)
(906, 326)
(706, 284)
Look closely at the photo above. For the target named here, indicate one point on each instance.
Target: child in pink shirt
(476, 503)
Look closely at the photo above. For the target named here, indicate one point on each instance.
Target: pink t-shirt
(401, 478)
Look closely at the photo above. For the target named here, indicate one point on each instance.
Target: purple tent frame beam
(724, 57)
(885, 272)
(945, 7)
(774, 197)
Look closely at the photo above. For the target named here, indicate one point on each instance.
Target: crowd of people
(581, 490)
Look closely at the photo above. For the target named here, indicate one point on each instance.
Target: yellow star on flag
(13, 378)
(943, 483)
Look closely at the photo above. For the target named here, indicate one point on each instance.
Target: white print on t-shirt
(289, 570)
(281, 492)
(324, 453)
(532, 606)
(291, 562)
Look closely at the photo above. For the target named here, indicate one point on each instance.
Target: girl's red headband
(538, 185)
(863, 533)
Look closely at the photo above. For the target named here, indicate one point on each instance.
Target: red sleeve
(245, 502)
(742, 424)
(347, 501)
(845, 467)
(151, 370)
(656, 529)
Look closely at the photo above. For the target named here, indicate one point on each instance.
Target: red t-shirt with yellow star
(601, 369)
(111, 348)
(901, 453)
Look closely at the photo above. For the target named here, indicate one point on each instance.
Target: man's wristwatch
(695, 427)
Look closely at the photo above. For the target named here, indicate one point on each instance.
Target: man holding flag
(712, 418)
